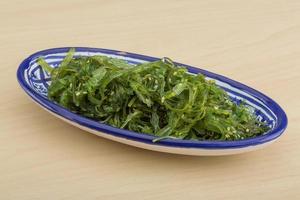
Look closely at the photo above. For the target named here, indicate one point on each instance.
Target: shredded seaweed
(157, 98)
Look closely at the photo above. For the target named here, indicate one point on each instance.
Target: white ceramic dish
(35, 82)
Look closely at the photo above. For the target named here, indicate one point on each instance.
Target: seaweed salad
(158, 98)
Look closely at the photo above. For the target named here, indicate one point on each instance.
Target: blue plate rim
(282, 120)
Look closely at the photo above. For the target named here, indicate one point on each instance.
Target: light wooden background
(255, 42)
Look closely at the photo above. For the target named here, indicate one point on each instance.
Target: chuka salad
(157, 98)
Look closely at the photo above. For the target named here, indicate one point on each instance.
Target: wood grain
(255, 42)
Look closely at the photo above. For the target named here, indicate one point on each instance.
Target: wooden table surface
(255, 42)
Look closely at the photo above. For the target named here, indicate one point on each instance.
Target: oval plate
(35, 82)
